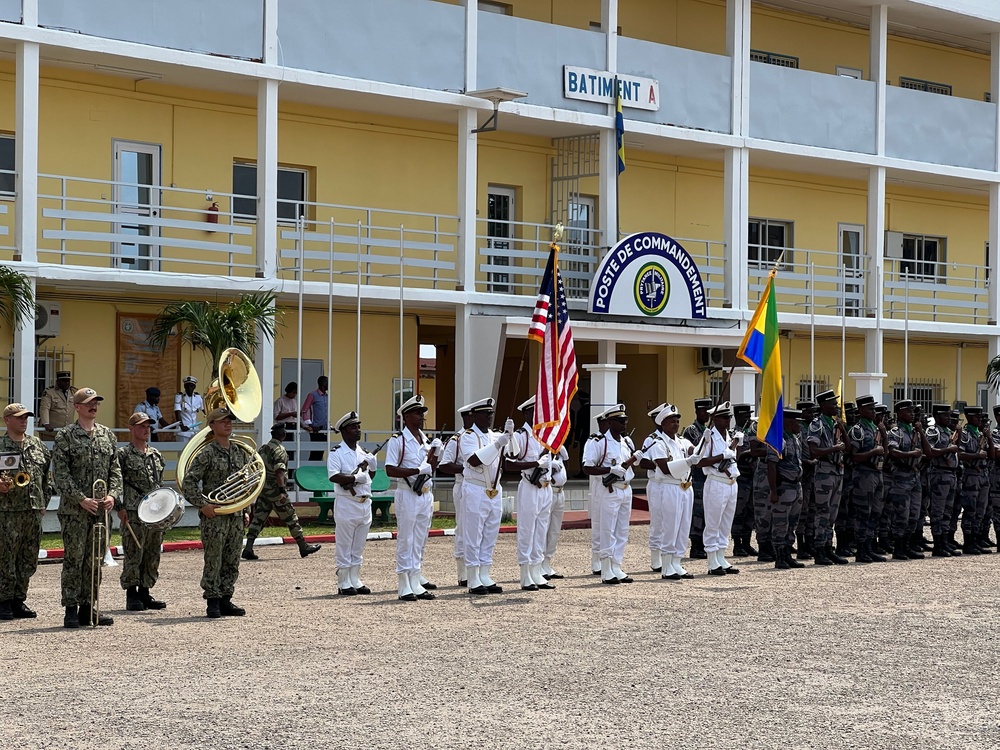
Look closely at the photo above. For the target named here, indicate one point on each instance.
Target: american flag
(557, 378)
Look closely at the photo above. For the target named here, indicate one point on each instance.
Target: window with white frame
(923, 392)
(918, 84)
(293, 185)
(6, 164)
(773, 58)
(768, 240)
(924, 258)
(809, 388)
(489, 6)
(715, 388)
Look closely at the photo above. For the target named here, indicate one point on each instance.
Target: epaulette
(396, 435)
(594, 436)
(857, 429)
(815, 426)
(468, 431)
(337, 446)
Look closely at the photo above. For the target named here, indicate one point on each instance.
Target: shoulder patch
(815, 426)
(337, 446)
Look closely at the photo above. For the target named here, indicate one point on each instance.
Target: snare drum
(161, 508)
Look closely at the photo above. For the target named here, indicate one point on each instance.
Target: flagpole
(618, 203)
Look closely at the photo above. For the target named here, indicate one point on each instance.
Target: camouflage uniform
(693, 433)
(993, 516)
(828, 479)
(942, 477)
(141, 473)
(785, 512)
(974, 489)
(807, 516)
(222, 536)
(78, 460)
(903, 482)
(273, 497)
(867, 489)
(762, 506)
(743, 521)
(21, 512)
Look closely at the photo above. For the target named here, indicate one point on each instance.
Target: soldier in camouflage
(844, 524)
(761, 502)
(142, 472)
(940, 446)
(905, 446)
(693, 433)
(974, 490)
(826, 443)
(84, 452)
(804, 530)
(883, 540)
(993, 514)
(21, 511)
(743, 521)
(221, 534)
(784, 482)
(274, 497)
(867, 451)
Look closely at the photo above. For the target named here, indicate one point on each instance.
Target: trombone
(98, 545)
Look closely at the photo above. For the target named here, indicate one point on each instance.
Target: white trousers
(654, 498)
(677, 506)
(534, 504)
(596, 488)
(616, 509)
(555, 522)
(413, 521)
(481, 520)
(720, 507)
(353, 521)
(456, 498)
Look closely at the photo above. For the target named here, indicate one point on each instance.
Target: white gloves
(618, 471)
(372, 461)
(362, 477)
(563, 453)
(502, 440)
(425, 468)
(508, 426)
(729, 453)
(545, 461)
(693, 460)
(436, 446)
(556, 467)
(638, 456)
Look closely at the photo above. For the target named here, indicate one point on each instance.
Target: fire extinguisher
(212, 217)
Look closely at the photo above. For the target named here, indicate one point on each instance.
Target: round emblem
(652, 289)
(128, 326)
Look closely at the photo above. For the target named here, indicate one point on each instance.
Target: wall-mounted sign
(599, 86)
(648, 274)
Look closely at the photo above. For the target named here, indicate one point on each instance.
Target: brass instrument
(11, 471)
(98, 546)
(238, 389)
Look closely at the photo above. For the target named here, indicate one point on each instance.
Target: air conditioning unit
(711, 358)
(47, 318)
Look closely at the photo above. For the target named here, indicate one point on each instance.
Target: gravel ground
(878, 656)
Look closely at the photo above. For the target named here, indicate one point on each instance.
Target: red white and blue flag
(557, 377)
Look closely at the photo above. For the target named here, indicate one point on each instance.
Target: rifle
(364, 464)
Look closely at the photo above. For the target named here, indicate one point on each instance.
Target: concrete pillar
(26, 153)
(267, 178)
(264, 364)
(607, 203)
(24, 364)
(878, 45)
(468, 176)
(603, 389)
(743, 387)
(868, 384)
(874, 264)
(736, 187)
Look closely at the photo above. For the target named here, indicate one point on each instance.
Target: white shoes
(655, 560)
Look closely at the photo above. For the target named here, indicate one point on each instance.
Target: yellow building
(401, 163)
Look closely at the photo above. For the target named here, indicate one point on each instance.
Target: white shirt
(343, 460)
(647, 444)
(189, 406)
(153, 412)
(450, 456)
(470, 442)
(671, 449)
(714, 443)
(530, 450)
(610, 452)
(407, 452)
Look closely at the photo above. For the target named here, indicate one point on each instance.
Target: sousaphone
(238, 389)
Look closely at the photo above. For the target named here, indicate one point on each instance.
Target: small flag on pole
(557, 376)
(760, 349)
(619, 127)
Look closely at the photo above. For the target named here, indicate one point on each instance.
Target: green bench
(315, 480)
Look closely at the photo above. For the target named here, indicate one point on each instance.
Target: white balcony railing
(6, 213)
(822, 282)
(936, 291)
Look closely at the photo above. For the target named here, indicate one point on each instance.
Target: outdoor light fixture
(495, 95)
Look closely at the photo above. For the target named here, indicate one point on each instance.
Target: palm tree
(993, 373)
(218, 327)
(17, 301)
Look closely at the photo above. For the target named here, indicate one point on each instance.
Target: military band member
(654, 494)
(718, 460)
(593, 496)
(274, 496)
(611, 460)
(481, 451)
(142, 471)
(534, 500)
(351, 468)
(21, 512)
(940, 446)
(826, 444)
(55, 408)
(905, 444)
(452, 466)
(743, 521)
(784, 480)
(84, 452)
(411, 460)
(974, 489)
(693, 434)
(867, 453)
(221, 533)
(559, 479)
(671, 456)
(187, 405)
(804, 530)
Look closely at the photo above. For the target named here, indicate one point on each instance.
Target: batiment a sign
(648, 274)
(599, 86)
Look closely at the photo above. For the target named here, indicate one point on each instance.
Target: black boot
(87, 616)
(228, 609)
(768, 552)
(834, 557)
(738, 549)
(72, 617)
(5, 611)
(306, 549)
(248, 553)
(20, 610)
(899, 551)
(986, 538)
(873, 556)
(861, 554)
(939, 549)
(780, 559)
(921, 541)
(844, 543)
(969, 546)
(805, 547)
(149, 601)
(982, 541)
(913, 550)
(792, 562)
(698, 548)
(747, 546)
(882, 544)
(212, 610)
(820, 557)
(132, 601)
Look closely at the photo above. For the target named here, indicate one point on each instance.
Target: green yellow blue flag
(619, 127)
(760, 349)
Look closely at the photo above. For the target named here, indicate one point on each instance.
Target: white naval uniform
(351, 513)
(480, 512)
(594, 504)
(188, 406)
(450, 456)
(676, 500)
(720, 492)
(534, 504)
(615, 502)
(559, 478)
(654, 496)
(413, 511)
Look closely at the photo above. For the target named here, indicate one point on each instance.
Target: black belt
(949, 469)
